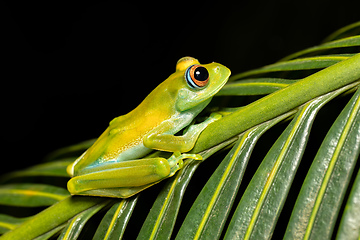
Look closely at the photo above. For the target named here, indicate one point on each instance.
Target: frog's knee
(73, 186)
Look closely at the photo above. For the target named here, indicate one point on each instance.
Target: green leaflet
(293, 65)
(161, 218)
(31, 195)
(321, 195)
(51, 169)
(256, 86)
(114, 222)
(214, 202)
(349, 228)
(341, 43)
(50, 233)
(75, 225)
(349, 30)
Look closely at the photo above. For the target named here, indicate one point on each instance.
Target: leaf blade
(114, 222)
(350, 222)
(354, 28)
(293, 65)
(341, 43)
(75, 225)
(50, 169)
(31, 195)
(257, 86)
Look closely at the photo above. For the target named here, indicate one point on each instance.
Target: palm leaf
(245, 194)
(325, 185)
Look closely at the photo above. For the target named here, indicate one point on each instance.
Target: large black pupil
(201, 74)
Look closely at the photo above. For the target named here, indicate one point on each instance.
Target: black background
(70, 68)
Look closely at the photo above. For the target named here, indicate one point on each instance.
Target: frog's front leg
(161, 140)
(124, 179)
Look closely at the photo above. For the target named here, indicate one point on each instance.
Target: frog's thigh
(133, 173)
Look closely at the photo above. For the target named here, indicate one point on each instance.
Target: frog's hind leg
(127, 178)
(127, 174)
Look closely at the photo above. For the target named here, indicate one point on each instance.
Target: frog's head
(201, 82)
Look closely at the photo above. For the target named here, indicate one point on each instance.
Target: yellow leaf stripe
(113, 220)
(68, 232)
(8, 225)
(270, 84)
(164, 205)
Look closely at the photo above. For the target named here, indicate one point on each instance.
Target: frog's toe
(215, 116)
(176, 160)
(176, 167)
(180, 164)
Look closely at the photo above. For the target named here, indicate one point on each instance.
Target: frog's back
(123, 139)
(128, 131)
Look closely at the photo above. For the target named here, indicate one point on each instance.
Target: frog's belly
(136, 152)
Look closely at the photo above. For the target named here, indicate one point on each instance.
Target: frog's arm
(161, 140)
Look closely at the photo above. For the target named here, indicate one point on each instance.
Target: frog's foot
(212, 118)
(176, 161)
(198, 128)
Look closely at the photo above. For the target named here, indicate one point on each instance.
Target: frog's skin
(114, 165)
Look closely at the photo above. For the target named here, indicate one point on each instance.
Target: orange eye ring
(197, 76)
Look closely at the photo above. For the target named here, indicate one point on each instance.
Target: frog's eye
(197, 76)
